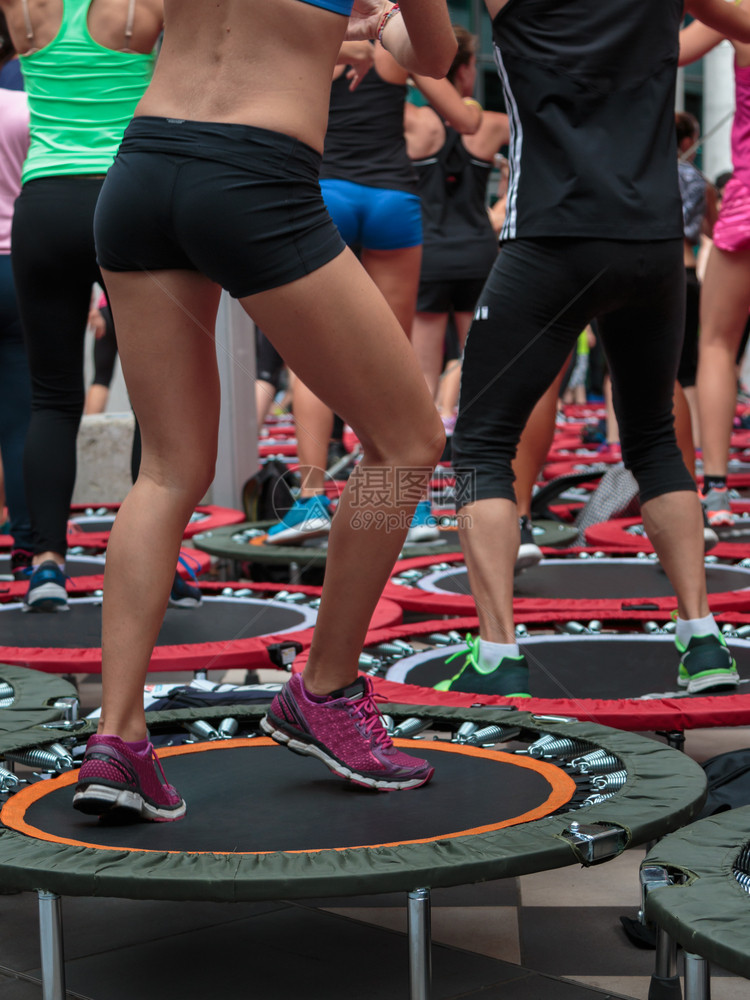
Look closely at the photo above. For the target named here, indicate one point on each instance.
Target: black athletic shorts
(459, 294)
(240, 204)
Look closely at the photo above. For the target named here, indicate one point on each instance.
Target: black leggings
(54, 267)
(539, 296)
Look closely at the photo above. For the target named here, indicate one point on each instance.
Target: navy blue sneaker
(183, 593)
(46, 588)
(308, 518)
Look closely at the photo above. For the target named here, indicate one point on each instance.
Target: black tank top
(589, 88)
(365, 137)
(458, 239)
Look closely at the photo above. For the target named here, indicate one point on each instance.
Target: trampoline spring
(8, 781)
(744, 631)
(228, 728)
(574, 628)
(595, 626)
(6, 702)
(561, 747)
(727, 629)
(439, 639)
(389, 722)
(493, 734)
(394, 648)
(6, 690)
(372, 665)
(536, 748)
(203, 730)
(464, 732)
(743, 859)
(595, 800)
(43, 759)
(597, 761)
(651, 628)
(607, 782)
(743, 879)
(521, 631)
(456, 636)
(410, 727)
(409, 576)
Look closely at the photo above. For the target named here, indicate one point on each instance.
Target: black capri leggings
(539, 296)
(54, 267)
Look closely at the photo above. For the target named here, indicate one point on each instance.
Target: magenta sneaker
(345, 731)
(115, 780)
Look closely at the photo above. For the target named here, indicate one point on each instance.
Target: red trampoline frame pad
(629, 714)
(426, 602)
(220, 655)
(215, 517)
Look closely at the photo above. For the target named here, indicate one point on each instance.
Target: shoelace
(365, 710)
(471, 651)
(183, 560)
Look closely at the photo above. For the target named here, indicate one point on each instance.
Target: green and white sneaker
(509, 679)
(705, 664)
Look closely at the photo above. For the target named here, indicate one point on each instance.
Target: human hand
(365, 19)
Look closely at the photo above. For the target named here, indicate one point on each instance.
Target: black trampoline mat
(594, 579)
(215, 620)
(590, 667)
(94, 523)
(249, 796)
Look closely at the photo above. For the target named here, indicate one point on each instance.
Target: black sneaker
(20, 564)
(183, 593)
(46, 588)
(705, 664)
(509, 679)
(529, 553)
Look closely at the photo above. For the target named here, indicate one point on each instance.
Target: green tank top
(81, 98)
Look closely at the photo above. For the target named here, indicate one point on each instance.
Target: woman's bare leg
(165, 330)
(725, 298)
(313, 421)
(428, 339)
(396, 274)
(354, 357)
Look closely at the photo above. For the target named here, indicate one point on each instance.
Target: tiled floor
(549, 936)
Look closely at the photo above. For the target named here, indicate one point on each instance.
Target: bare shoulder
(495, 6)
(492, 135)
(423, 130)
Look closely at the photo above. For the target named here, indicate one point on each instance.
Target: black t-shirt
(589, 88)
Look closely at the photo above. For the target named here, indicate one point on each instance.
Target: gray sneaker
(717, 507)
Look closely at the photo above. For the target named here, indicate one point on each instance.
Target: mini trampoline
(85, 573)
(627, 534)
(572, 586)
(229, 629)
(697, 891)
(512, 794)
(619, 673)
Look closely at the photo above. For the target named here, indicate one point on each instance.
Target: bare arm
(419, 36)
(461, 113)
(359, 57)
(731, 20)
(696, 40)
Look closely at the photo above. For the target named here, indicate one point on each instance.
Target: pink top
(14, 144)
(741, 125)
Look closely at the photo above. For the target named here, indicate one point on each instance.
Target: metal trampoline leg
(665, 983)
(51, 946)
(420, 956)
(697, 978)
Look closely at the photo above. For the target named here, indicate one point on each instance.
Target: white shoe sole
(694, 685)
(311, 750)
(101, 799)
(47, 597)
(313, 528)
(529, 555)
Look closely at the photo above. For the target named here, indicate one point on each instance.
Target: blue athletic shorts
(374, 218)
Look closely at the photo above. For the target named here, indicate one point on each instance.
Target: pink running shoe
(345, 730)
(115, 780)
